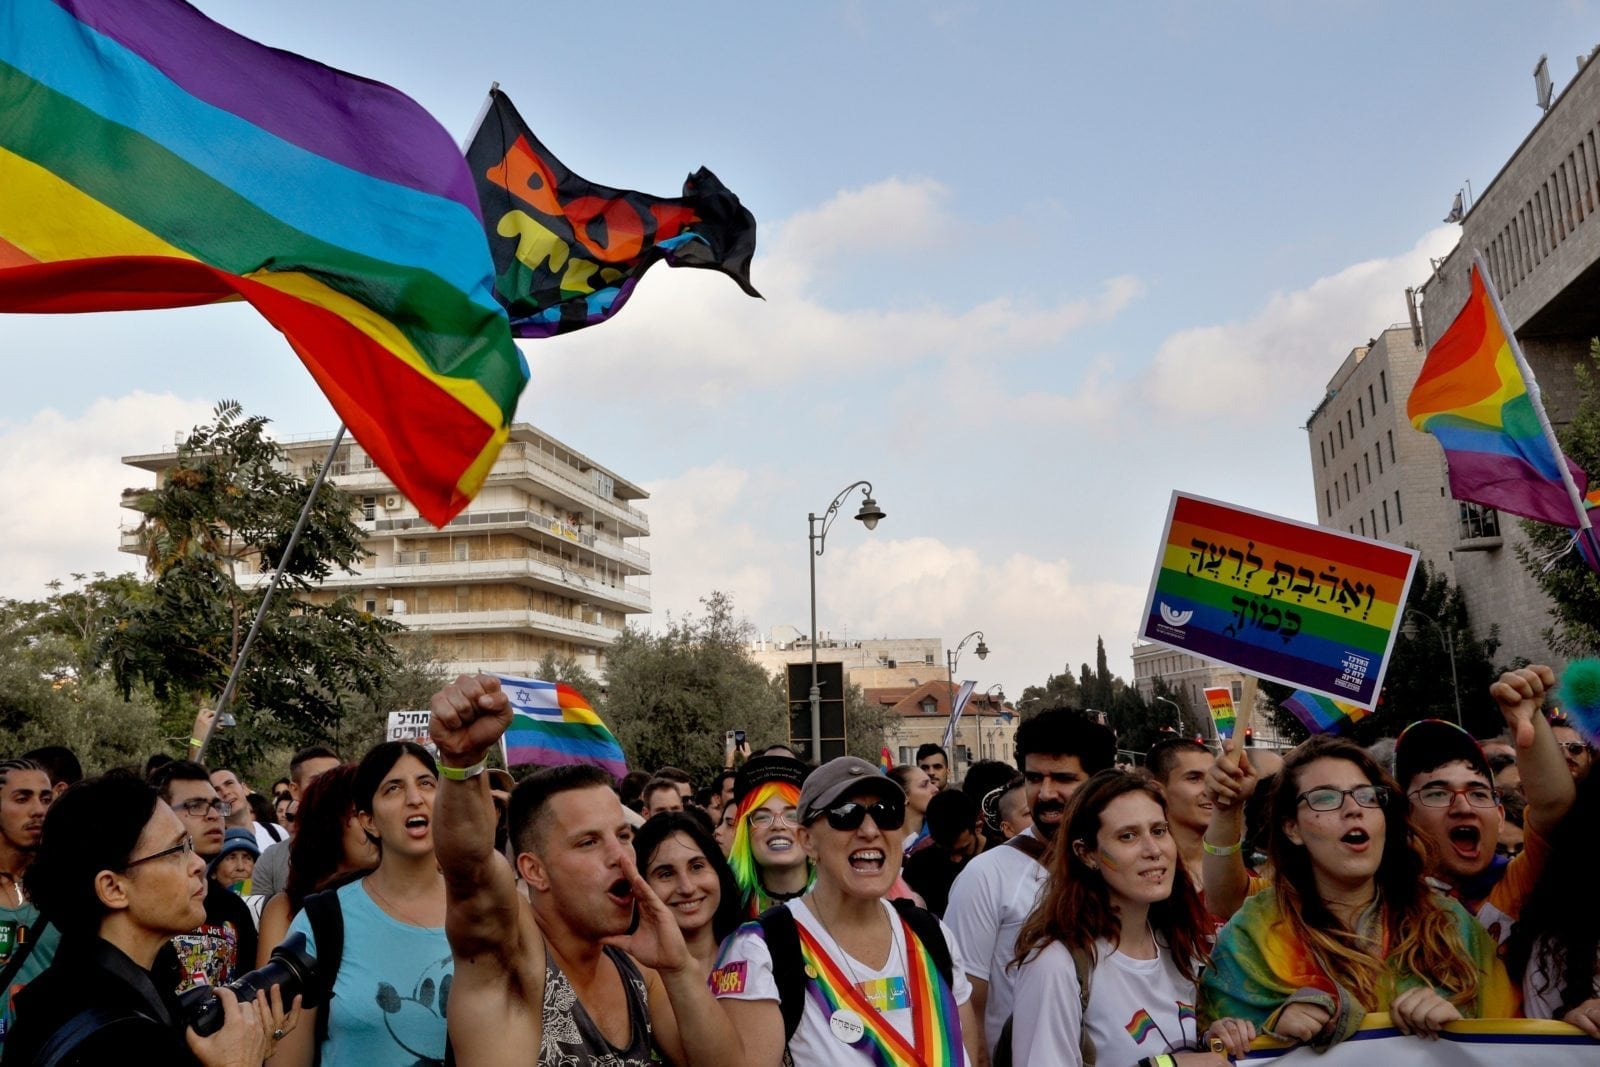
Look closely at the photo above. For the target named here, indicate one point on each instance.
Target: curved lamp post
(869, 515)
(951, 658)
(1176, 710)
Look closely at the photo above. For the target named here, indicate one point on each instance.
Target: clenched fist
(467, 717)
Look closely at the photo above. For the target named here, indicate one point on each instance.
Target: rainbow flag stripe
(152, 158)
(1220, 701)
(552, 724)
(935, 1019)
(1139, 1026)
(1320, 714)
(1471, 395)
(1282, 600)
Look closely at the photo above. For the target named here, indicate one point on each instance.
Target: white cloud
(1284, 353)
(690, 335)
(63, 482)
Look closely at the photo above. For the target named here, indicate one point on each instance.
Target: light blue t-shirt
(392, 990)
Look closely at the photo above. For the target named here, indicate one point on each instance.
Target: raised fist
(467, 717)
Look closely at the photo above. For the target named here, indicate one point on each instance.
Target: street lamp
(951, 658)
(1410, 630)
(816, 539)
(1176, 709)
(995, 691)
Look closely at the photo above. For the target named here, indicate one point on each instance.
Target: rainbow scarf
(934, 1018)
(152, 158)
(741, 856)
(1471, 394)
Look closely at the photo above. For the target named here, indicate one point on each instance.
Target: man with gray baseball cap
(871, 958)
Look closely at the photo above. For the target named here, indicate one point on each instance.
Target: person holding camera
(117, 874)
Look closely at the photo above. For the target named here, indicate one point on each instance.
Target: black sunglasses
(848, 817)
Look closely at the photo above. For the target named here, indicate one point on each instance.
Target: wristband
(194, 742)
(1222, 850)
(1163, 1059)
(461, 774)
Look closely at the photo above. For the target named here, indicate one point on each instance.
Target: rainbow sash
(934, 1018)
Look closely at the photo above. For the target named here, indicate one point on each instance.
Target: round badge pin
(811, 972)
(846, 1026)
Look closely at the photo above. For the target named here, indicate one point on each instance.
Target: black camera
(291, 969)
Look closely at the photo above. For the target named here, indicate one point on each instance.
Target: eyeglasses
(1573, 748)
(1442, 796)
(200, 807)
(1330, 799)
(186, 846)
(886, 815)
(762, 818)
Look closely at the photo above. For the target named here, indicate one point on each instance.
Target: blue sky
(1028, 267)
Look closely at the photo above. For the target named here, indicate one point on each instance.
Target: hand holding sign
(467, 717)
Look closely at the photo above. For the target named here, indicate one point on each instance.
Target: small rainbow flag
(1473, 394)
(552, 724)
(152, 158)
(1220, 700)
(1321, 715)
(1287, 601)
(885, 761)
(1139, 1026)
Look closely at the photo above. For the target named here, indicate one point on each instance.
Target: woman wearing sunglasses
(861, 961)
(1350, 926)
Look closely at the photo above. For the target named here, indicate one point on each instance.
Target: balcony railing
(409, 569)
(515, 619)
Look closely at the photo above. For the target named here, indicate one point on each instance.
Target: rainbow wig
(742, 858)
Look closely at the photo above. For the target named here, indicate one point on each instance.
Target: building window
(1350, 418)
(1357, 471)
(1330, 443)
(1361, 410)
(1366, 457)
(1391, 445)
(372, 606)
(1374, 515)
(369, 508)
(1383, 380)
(1327, 498)
(1238, 691)
(1379, 451)
(1399, 516)
(1324, 450)
(930, 706)
(1478, 521)
(1347, 487)
(1341, 434)
(1371, 403)
(1338, 502)
(1385, 504)
(1363, 520)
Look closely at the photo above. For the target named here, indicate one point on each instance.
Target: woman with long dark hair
(328, 850)
(392, 987)
(1118, 910)
(686, 869)
(1350, 926)
(1556, 944)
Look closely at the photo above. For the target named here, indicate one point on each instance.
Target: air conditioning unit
(399, 607)
(390, 503)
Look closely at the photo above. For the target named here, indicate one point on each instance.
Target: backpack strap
(78, 1029)
(788, 971)
(19, 956)
(327, 930)
(925, 925)
(1029, 846)
(1083, 968)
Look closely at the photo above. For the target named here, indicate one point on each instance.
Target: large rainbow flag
(552, 724)
(1297, 604)
(151, 158)
(1473, 395)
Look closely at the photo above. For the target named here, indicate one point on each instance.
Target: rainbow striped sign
(1220, 701)
(1283, 600)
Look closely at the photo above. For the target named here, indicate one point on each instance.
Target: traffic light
(1249, 736)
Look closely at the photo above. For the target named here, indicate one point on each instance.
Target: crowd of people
(1068, 909)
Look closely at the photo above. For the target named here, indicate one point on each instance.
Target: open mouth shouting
(620, 893)
(1467, 840)
(1357, 840)
(867, 860)
(417, 827)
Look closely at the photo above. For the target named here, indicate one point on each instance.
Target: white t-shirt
(744, 972)
(1137, 1008)
(989, 902)
(264, 838)
(1541, 1003)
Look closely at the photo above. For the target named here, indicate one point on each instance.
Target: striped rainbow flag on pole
(1478, 397)
(552, 724)
(151, 158)
(1320, 714)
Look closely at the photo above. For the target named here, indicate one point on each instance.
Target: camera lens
(291, 968)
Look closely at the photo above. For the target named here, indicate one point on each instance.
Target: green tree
(671, 696)
(1058, 691)
(1572, 585)
(212, 530)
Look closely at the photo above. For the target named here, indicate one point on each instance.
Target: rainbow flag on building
(1320, 714)
(151, 158)
(1293, 603)
(552, 724)
(1478, 397)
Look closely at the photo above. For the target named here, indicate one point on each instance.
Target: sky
(1027, 267)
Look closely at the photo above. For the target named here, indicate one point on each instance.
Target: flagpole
(272, 586)
(1535, 396)
(483, 113)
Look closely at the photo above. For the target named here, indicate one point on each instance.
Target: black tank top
(571, 1039)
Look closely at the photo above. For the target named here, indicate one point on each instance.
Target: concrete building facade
(545, 561)
(906, 661)
(987, 730)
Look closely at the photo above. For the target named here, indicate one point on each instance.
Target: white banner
(1472, 1043)
(962, 696)
(410, 726)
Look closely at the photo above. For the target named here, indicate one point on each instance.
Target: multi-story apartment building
(870, 663)
(544, 561)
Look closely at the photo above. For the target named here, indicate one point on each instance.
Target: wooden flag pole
(1243, 717)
